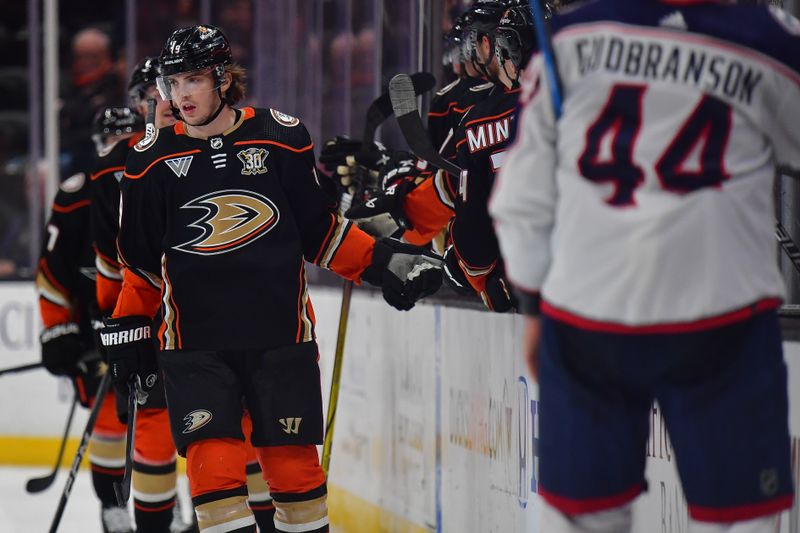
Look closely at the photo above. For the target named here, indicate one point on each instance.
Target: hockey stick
(122, 489)
(545, 42)
(404, 102)
(380, 109)
(788, 245)
(336, 375)
(22, 368)
(38, 484)
(76, 463)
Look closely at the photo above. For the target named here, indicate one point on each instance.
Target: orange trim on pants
(291, 469)
(108, 425)
(216, 464)
(153, 444)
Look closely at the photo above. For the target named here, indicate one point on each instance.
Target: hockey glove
(404, 272)
(497, 296)
(452, 274)
(87, 381)
(356, 169)
(131, 351)
(383, 215)
(62, 348)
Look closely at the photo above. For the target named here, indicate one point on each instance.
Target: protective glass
(188, 83)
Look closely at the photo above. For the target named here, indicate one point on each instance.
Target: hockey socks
(153, 496)
(259, 499)
(224, 511)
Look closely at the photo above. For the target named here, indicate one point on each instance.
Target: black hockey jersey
(105, 178)
(481, 141)
(449, 105)
(65, 279)
(226, 224)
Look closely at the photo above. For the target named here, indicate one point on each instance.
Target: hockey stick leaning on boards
(377, 113)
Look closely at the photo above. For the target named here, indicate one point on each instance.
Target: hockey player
(66, 284)
(643, 219)
(223, 209)
(343, 157)
(154, 466)
(502, 41)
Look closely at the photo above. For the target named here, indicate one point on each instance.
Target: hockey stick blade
(381, 107)
(21, 368)
(404, 103)
(38, 484)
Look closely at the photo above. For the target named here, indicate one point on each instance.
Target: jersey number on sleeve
(706, 130)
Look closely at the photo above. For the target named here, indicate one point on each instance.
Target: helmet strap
(216, 113)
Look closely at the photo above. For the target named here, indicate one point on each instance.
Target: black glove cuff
(527, 302)
(381, 255)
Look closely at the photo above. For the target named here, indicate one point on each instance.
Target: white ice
(21, 512)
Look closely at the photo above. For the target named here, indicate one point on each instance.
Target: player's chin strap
(177, 114)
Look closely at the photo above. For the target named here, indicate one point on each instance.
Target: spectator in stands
(93, 84)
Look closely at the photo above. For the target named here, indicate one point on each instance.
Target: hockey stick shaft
(336, 375)
(76, 463)
(404, 102)
(38, 484)
(788, 245)
(22, 368)
(378, 111)
(544, 39)
(122, 489)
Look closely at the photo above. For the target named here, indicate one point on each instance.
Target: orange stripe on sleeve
(427, 213)
(106, 171)
(53, 314)
(71, 207)
(137, 297)
(107, 293)
(354, 254)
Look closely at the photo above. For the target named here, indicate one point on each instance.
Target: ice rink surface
(21, 512)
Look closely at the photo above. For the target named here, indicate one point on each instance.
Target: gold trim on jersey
(342, 226)
(305, 324)
(106, 269)
(168, 333)
(440, 187)
(49, 292)
(475, 272)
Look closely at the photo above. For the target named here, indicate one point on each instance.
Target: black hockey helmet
(453, 42)
(143, 76)
(113, 121)
(194, 48)
(483, 18)
(117, 121)
(515, 38)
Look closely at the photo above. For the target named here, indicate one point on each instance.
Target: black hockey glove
(405, 273)
(354, 169)
(62, 348)
(86, 383)
(131, 351)
(452, 274)
(383, 215)
(498, 296)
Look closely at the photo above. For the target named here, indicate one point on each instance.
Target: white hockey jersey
(648, 206)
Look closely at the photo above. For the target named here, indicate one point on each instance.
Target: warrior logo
(254, 161)
(233, 219)
(290, 425)
(196, 419)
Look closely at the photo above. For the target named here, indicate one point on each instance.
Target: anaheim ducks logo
(232, 219)
(196, 419)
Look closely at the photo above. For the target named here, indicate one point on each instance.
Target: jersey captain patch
(284, 119)
(232, 219)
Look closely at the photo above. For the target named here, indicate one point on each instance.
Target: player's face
(194, 94)
(486, 55)
(164, 116)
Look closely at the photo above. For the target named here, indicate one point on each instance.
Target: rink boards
(436, 427)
